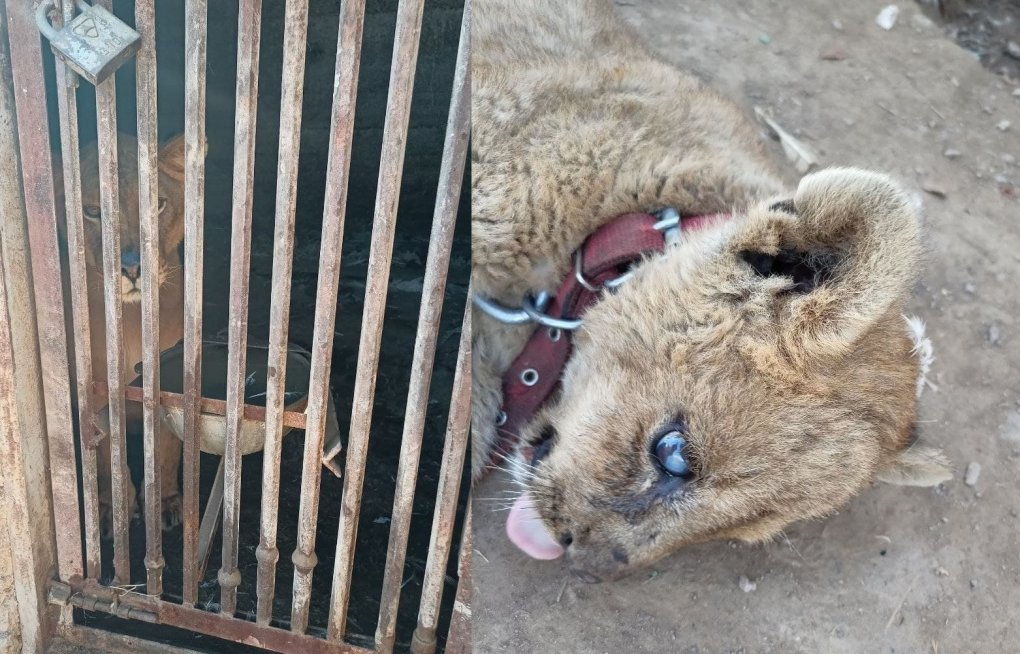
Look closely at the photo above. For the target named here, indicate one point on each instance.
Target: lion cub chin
(171, 299)
(753, 374)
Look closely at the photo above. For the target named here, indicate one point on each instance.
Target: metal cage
(49, 467)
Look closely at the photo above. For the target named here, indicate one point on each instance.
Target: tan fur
(171, 296)
(794, 402)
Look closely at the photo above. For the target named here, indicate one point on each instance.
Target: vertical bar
(248, 24)
(109, 202)
(398, 109)
(345, 87)
(195, 15)
(67, 82)
(454, 450)
(13, 483)
(42, 355)
(291, 95)
(451, 175)
(148, 222)
(458, 640)
(23, 418)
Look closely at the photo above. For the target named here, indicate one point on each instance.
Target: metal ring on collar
(615, 282)
(669, 218)
(579, 272)
(530, 307)
(499, 312)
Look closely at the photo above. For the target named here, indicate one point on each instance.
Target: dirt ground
(898, 570)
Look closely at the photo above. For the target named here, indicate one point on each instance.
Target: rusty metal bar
(148, 221)
(109, 202)
(147, 607)
(454, 450)
(345, 88)
(451, 176)
(13, 482)
(50, 369)
(248, 24)
(23, 438)
(458, 639)
(291, 95)
(67, 81)
(294, 419)
(398, 109)
(195, 41)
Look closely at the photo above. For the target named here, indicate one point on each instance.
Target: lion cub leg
(104, 474)
(170, 451)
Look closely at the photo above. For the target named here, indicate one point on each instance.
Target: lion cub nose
(130, 264)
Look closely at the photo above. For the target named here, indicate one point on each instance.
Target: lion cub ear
(171, 159)
(838, 257)
(917, 465)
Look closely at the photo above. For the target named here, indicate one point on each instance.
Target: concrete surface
(898, 570)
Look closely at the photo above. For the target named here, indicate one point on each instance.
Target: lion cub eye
(93, 212)
(669, 451)
(162, 204)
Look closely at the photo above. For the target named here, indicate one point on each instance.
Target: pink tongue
(527, 531)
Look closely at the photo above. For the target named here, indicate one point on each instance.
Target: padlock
(95, 44)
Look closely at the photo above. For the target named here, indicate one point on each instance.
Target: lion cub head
(171, 211)
(754, 375)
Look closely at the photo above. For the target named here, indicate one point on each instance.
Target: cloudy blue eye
(669, 450)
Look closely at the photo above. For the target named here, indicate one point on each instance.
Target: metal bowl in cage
(212, 428)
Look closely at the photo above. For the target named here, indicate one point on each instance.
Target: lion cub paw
(173, 512)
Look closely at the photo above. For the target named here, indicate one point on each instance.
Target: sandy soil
(915, 570)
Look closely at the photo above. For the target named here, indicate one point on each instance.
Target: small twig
(937, 113)
(899, 606)
(562, 588)
(887, 109)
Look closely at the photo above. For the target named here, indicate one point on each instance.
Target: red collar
(606, 255)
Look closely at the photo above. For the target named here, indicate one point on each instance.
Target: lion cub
(755, 373)
(171, 296)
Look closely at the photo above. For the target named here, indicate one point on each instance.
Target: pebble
(973, 472)
(765, 39)
(1016, 93)
(934, 187)
(1003, 125)
(969, 288)
(886, 18)
(833, 53)
(951, 153)
(994, 334)
(1013, 49)
(973, 583)
(1008, 159)
(837, 25)
(746, 584)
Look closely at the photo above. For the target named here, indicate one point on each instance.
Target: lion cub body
(792, 392)
(171, 296)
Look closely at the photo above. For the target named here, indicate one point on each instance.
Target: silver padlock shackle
(42, 16)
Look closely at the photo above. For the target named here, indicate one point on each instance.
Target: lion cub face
(171, 211)
(754, 375)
